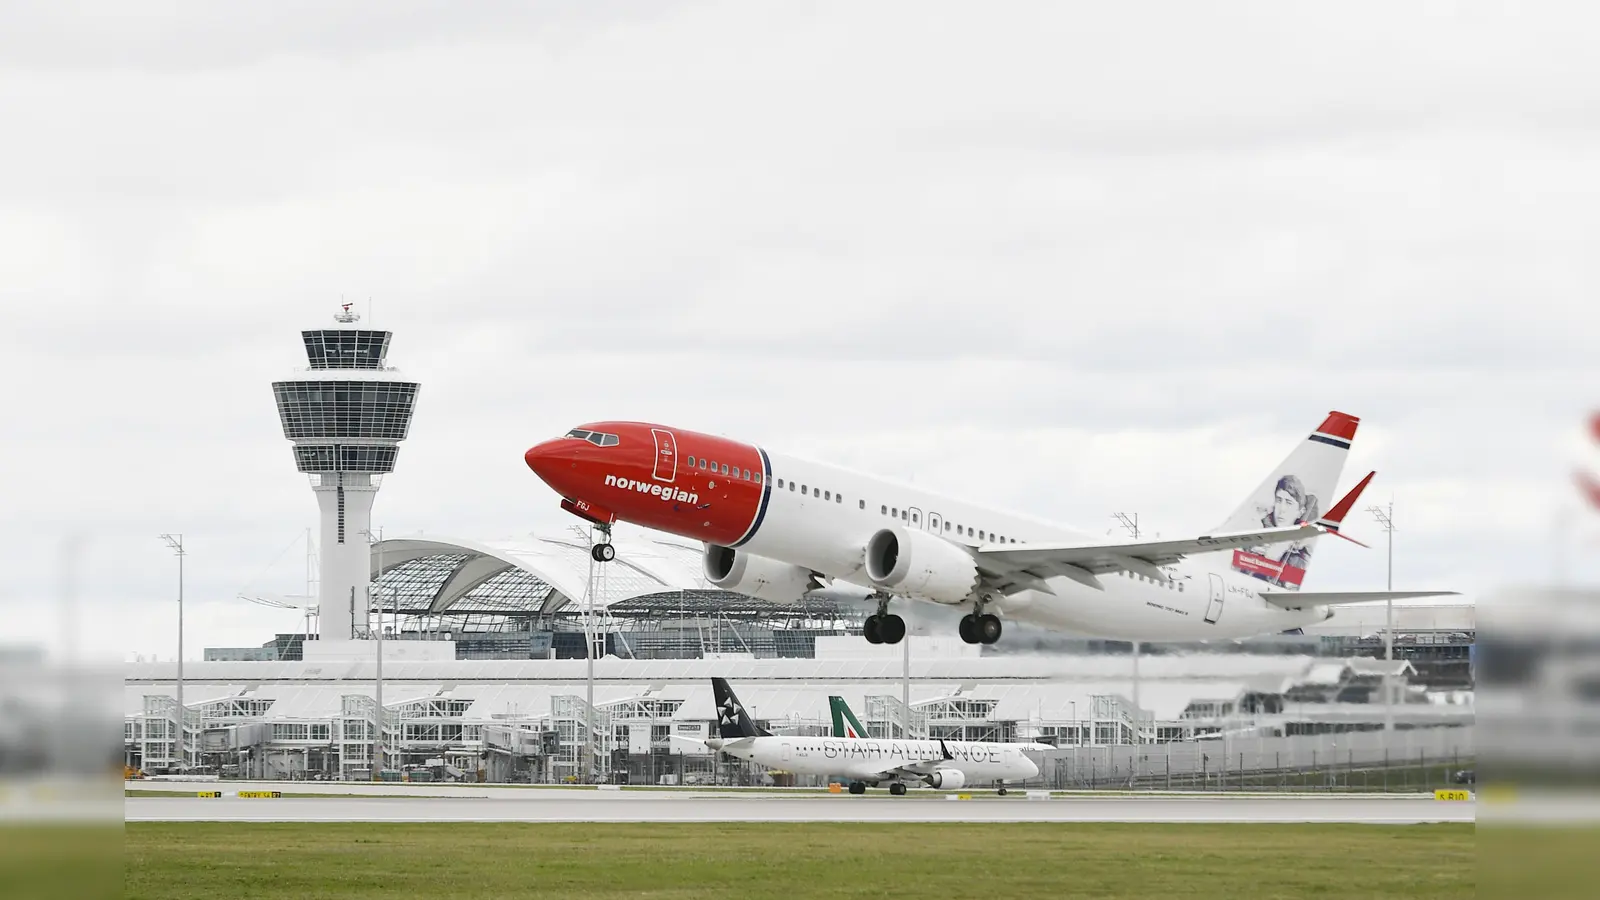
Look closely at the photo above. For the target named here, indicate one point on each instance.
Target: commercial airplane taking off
(950, 765)
(776, 527)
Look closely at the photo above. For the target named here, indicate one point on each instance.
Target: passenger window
(894, 511)
(758, 478)
(863, 503)
(724, 468)
(780, 484)
(905, 515)
(947, 526)
(827, 495)
(791, 485)
(913, 520)
(805, 490)
(702, 462)
(883, 510)
(713, 466)
(980, 535)
(691, 461)
(746, 474)
(838, 498)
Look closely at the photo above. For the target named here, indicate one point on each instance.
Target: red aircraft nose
(542, 457)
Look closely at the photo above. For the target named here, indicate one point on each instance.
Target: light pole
(1385, 518)
(175, 541)
(377, 690)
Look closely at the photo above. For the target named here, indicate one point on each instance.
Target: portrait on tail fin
(1282, 564)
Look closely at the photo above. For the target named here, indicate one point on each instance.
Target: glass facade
(345, 458)
(311, 410)
(346, 348)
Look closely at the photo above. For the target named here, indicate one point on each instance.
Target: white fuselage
(866, 759)
(807, 524)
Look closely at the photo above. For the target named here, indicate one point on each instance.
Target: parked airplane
(949, 765)
(776, 527)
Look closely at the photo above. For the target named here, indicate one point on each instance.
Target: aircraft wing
(1301, 599)
(1018, 567)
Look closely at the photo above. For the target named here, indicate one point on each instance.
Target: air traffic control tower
(346, 414)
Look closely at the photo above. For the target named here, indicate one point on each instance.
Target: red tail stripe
(1340, 425)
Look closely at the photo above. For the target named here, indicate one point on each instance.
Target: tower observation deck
(346, 414)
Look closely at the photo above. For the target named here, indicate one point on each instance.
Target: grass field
(702, 861)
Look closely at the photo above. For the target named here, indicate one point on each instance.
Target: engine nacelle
(904, 561)
(756, 576)
(948, 779)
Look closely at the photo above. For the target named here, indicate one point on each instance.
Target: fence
(1408, 760)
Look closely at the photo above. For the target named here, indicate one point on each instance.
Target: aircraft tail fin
(1297, 490)
(733, 720)
(845, 723)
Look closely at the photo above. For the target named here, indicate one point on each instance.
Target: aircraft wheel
(858, 787)
(897, 789)
(872, 629)
(988, 628)
(892, 629)
(969, 629)
(603, 553)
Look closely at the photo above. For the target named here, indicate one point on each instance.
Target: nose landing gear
(603, 552)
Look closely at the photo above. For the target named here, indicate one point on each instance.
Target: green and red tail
(845, 723)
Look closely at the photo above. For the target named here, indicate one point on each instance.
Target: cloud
(1069, 258)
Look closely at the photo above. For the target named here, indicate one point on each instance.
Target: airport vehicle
(777, 527)
(864, 762)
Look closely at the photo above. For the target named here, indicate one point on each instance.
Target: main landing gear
(883, 628)
(979, 627)
(896, 788)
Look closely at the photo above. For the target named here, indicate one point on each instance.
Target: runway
(571, 806)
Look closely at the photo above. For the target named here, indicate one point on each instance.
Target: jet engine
(756, 576)
(948, 779)
(904, 561)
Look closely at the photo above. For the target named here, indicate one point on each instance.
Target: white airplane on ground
(949, 765)
(777, 527)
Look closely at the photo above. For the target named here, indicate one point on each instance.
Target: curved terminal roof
(433, 575)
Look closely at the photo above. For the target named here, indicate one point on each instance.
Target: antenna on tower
(345, 315)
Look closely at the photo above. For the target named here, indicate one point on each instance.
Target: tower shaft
(345, 501)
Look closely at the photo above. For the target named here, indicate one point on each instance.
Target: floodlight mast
(175, 541)
(1385, 518)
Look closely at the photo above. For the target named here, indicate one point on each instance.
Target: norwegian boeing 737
(776, 527)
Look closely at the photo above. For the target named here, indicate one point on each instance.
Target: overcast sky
(1073, 258)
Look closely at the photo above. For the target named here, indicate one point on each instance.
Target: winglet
(1335, 516)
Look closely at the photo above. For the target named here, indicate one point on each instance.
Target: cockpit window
(599, 439)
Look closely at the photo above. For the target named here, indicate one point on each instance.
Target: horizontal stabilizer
(1298, 599)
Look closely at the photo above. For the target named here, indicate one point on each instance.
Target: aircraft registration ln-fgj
(864, 761)
(776, 527)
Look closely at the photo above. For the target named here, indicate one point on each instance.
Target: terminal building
(486, 646)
